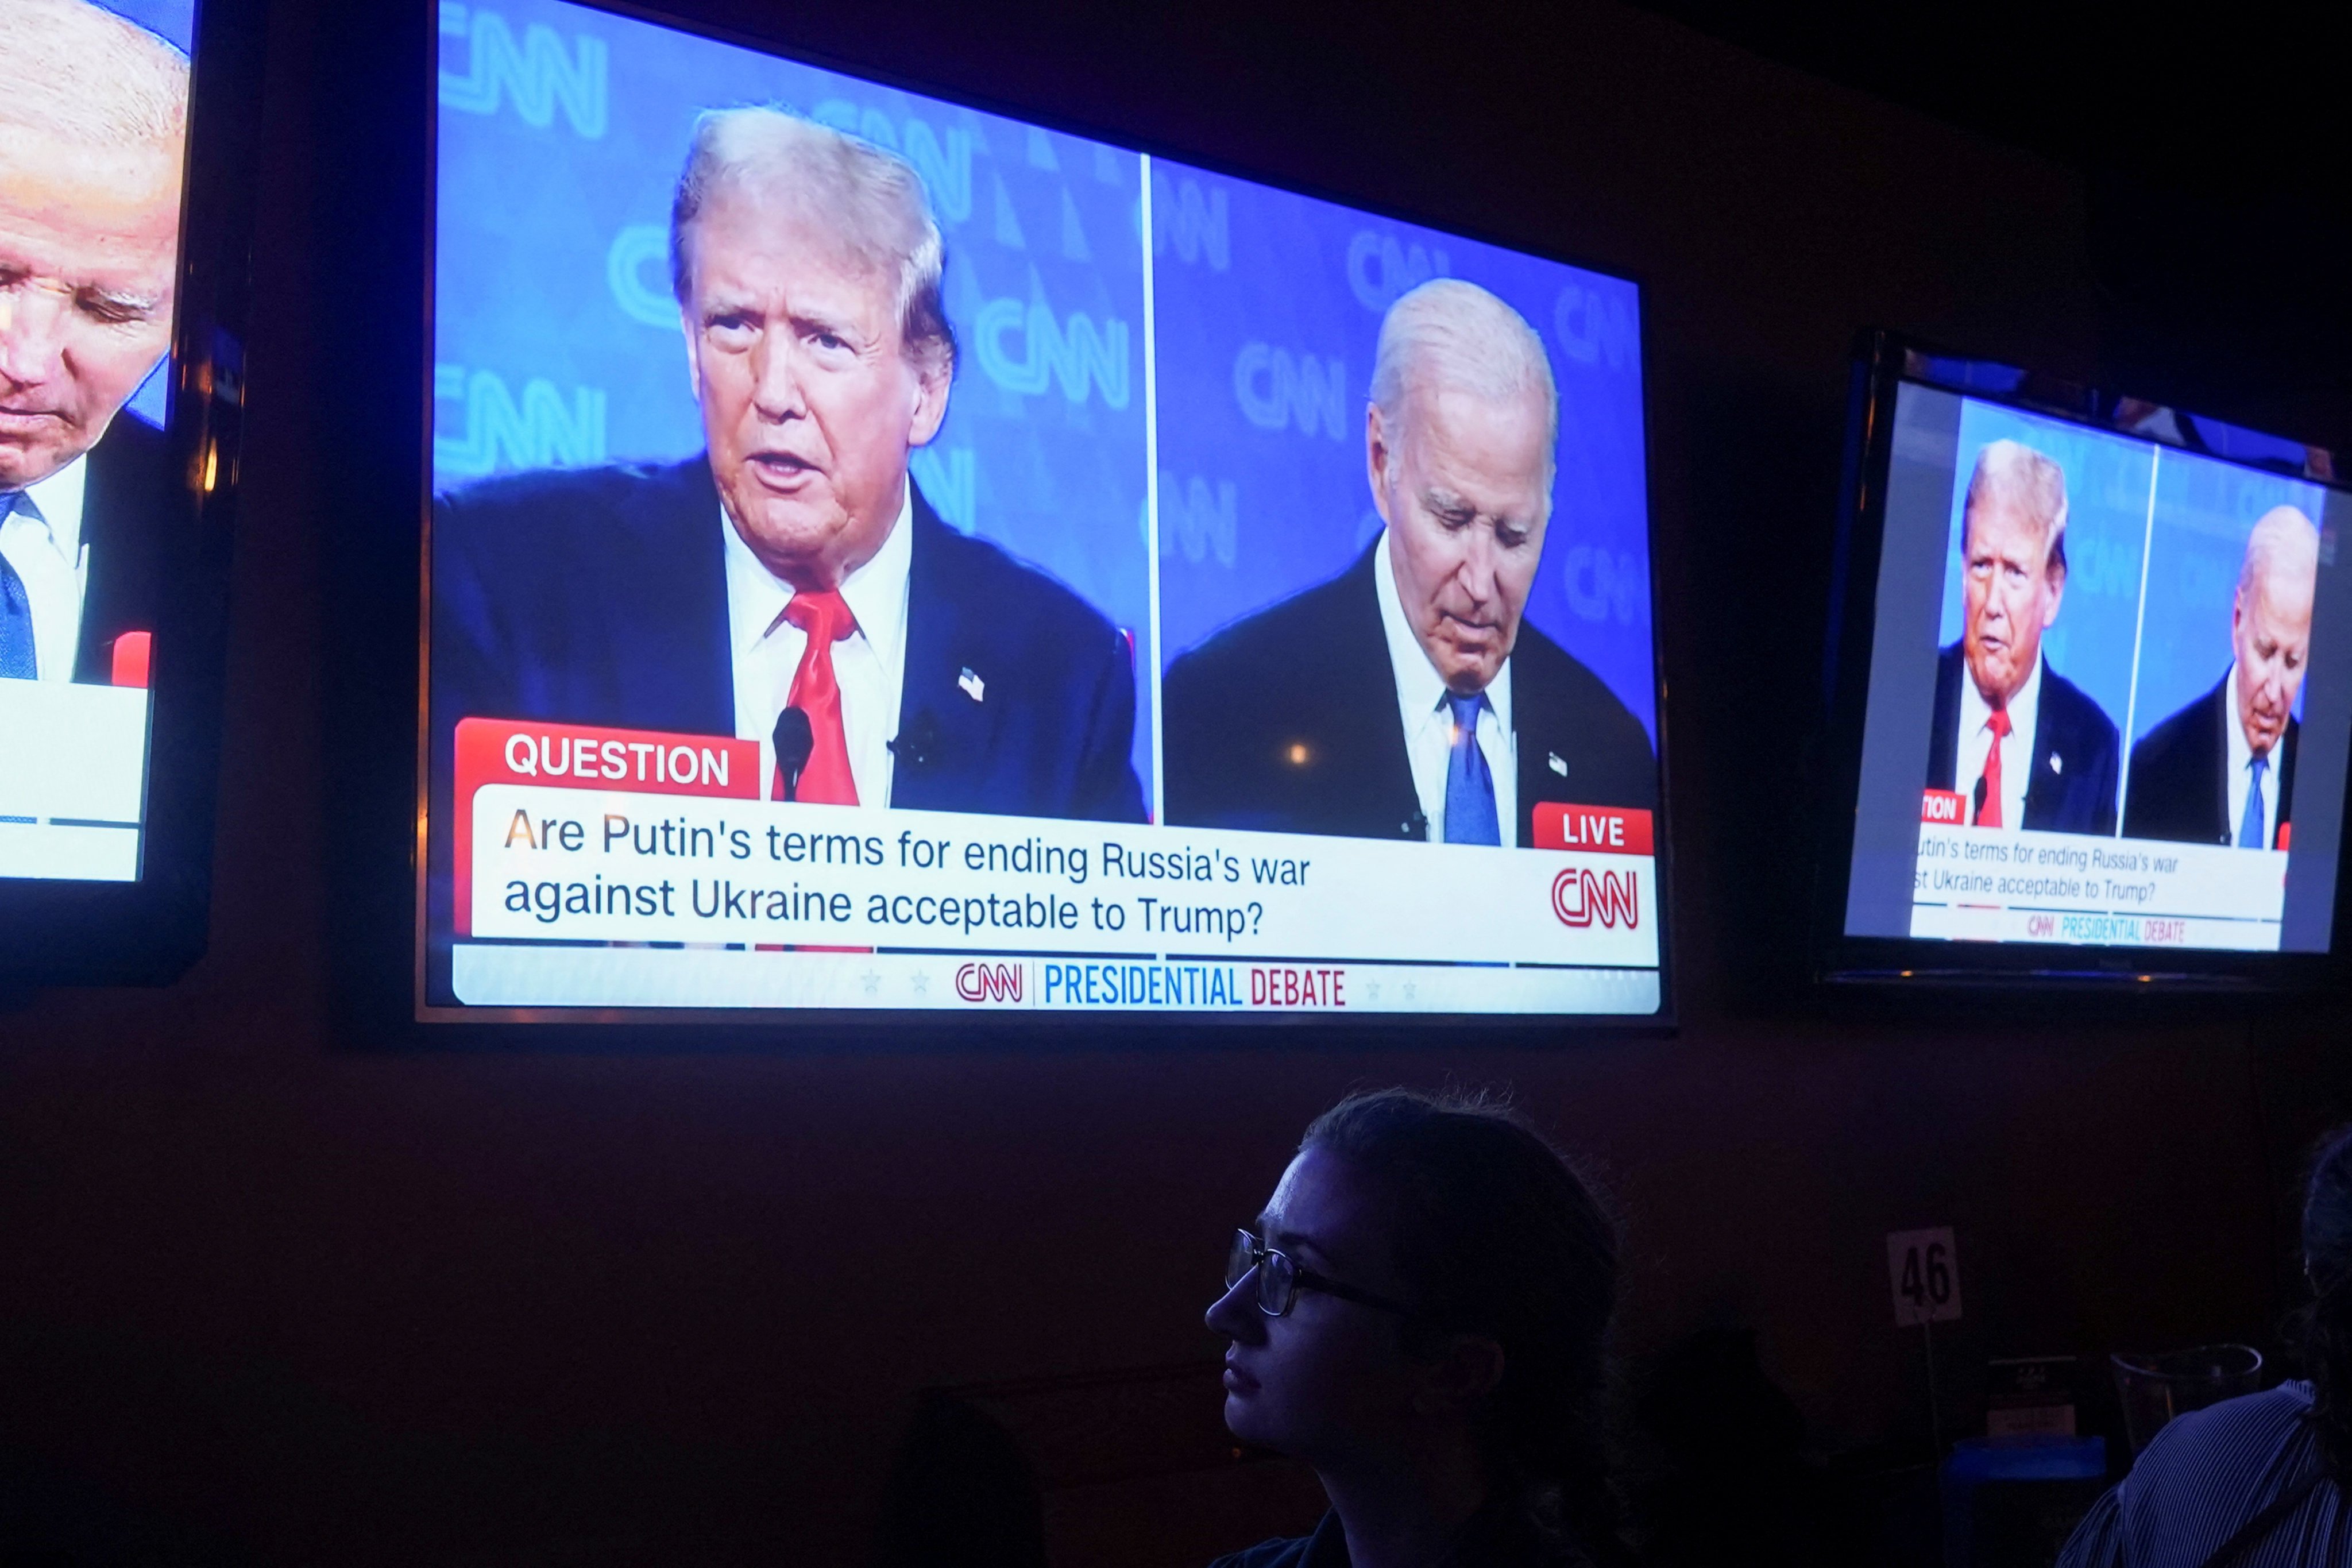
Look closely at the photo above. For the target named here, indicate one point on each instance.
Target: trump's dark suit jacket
(2076, 756)
(599, 596)
(2180, 788)
(1309, 678)
(136, 521)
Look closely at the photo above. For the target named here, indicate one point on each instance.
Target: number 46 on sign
(1925, 1273)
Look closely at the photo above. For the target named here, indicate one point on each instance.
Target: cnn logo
(989, 983)
(1579, 897)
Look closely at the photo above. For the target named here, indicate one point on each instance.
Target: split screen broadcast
(2110, 695)
(90, 188)
(888, 555)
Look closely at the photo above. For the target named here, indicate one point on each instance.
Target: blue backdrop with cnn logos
(1268, 309)
(562, 131)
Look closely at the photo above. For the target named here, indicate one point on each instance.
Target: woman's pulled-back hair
(2327, 1322)
(1496, 1234)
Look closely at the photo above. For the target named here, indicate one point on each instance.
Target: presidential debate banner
(629, 837)
(903, 462)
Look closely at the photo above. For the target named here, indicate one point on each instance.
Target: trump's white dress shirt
(2241, 766)
(1429, 724)
(1974, 747)
(870, 663)
(54, 565)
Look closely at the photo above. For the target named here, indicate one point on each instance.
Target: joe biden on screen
(790, 584)
(1408, 698)
(2221, 770)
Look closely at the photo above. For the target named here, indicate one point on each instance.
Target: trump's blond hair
(868, 200)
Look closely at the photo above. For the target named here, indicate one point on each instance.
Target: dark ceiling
(2214, 141)
(2222, 101)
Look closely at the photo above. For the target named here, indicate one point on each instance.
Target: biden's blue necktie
(2250, 827)
(1469, 787)
(17, 661)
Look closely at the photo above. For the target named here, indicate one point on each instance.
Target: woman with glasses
(1420, 1313)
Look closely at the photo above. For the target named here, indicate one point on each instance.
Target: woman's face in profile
(1330, 1379)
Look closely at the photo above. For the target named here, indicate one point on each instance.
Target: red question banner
(583, 756)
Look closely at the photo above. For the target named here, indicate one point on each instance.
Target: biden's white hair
(72, 70)
(1449, 335)
(869, 201)
(2283, 541)
(2012, 474)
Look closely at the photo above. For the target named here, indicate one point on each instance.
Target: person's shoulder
(1556, 700)
(131, 488)
(2184, 730)
(1544, 672)
(1268, 643)
(1951, 666)
(132, 463)
(575, 530)
(131, 442)
(2232, 1421)
(559, 493)
(1018, 592)
(2227, 1432)
(2063, 699)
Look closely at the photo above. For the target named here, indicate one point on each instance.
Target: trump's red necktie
(826, 780)
(1988, 812)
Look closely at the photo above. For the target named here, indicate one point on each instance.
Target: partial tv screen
(126, 181)
(2109, 684)
(94, 133)
(885, 556)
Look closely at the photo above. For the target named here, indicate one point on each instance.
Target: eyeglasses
(1279, 1280)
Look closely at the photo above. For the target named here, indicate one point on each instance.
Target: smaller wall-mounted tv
(2091, 679)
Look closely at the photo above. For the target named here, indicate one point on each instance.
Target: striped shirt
(2204, 1477)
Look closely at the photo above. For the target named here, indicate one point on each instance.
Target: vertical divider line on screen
(2139, 636)
(1151, 483)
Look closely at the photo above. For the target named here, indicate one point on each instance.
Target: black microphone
(794, 742)
(1976, 809)
(919, 739)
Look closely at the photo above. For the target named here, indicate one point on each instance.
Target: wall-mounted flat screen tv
(123, 242)
(2095, 678)
(888, 556)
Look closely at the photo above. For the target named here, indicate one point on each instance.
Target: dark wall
(268, 1286)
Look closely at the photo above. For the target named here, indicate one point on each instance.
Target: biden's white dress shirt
(54, 565)
(2241, 766)
(870, 663)
(1975, 748)
(1429, 724)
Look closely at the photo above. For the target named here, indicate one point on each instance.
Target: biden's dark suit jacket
(599, 596)
(2075, 759)
(1287, 721)
(136, 521)
(2178, 787)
